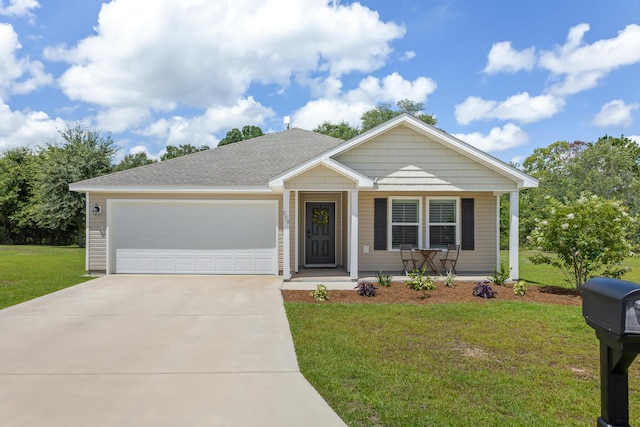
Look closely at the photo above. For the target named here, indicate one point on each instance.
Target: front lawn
(547, 275)
(27, 272)
(490, 363)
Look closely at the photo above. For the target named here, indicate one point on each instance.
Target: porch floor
(338, 278)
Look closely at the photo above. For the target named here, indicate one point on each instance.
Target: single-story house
(297, 199)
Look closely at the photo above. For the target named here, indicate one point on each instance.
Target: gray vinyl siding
(320, 178)
(404, 160)
(480, 260)
(97, 240)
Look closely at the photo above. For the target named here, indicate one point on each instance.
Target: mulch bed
(398, 292)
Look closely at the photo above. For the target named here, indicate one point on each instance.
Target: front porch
(339, 279)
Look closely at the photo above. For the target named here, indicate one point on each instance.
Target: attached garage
(193, 236)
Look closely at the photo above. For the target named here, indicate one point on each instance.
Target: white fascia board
(168, 189)
(363, 181)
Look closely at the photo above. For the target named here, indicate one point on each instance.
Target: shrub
(418, 281)
(520, 288)
(384, 279)
(366, 289)
(320, 293)
(450, 279)
(589, 236)
(484, 290)
(501, 276)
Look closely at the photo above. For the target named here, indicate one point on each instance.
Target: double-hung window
(405, 222)
(443, 222)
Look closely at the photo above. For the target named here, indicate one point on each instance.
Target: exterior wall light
(97, 210)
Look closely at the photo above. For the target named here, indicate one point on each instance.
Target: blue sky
(505, 76)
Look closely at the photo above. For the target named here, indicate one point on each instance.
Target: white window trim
(390, 223)
(458, 222)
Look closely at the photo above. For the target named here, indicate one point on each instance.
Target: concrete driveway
(155, 351)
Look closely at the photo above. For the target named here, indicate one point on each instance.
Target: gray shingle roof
(246, 163)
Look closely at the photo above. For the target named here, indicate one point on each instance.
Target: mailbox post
(612, 308)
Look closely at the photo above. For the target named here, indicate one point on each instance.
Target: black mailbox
(612, 308)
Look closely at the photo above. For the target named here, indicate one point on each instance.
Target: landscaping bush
(384, 279)
(450, 279)
(366, 289)
(499, 277)
(320, 293)
(520, 288)
(484, 290)
(419, 281)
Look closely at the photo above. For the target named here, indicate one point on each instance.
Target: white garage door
(194, 237)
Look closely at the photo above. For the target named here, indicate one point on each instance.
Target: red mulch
(398, 292)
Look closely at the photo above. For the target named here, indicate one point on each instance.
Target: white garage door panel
(194, 237)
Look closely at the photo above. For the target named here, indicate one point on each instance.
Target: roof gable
(522, 179)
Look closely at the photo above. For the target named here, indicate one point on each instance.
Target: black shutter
(468, 225)
(380, 224)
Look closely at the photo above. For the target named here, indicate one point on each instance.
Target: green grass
(27, 272)
(481, 364)
(489, 363)
(551, 276)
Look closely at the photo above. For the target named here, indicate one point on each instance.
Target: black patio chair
(406, 254)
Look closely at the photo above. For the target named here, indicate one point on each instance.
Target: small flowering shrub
(366, 289)
(484, 290)
(520, 288)
(320, 293)
(588, 235)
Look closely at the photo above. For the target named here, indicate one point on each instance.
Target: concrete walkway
(155, 351)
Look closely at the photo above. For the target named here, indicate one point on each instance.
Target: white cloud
(520, 107)
(118, 120)
(200, 130)
(408, 55)
(504, 58)
(635, 138)
(18, 7)
(498, 139)
(18, 75)
(27, 129)
(202, 53)
(615, 113)
(337, 106)
(580, 66)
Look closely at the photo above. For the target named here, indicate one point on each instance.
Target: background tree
(250, 131)
(588, 235)
(340, 130)
(383, 112)
(237, 135)
(133, 161)
(16, 189)
(81, 154)
(181, 150)
(609, 167)
(374, 117)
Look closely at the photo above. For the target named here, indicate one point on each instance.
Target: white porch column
(286, 236)
(353, 233)
(514, 230)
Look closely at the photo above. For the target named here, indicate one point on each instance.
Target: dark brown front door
(321, 233)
